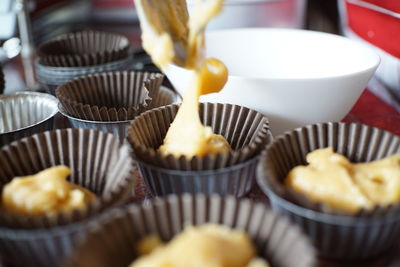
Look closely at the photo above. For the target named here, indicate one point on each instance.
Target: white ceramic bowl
(295, 77)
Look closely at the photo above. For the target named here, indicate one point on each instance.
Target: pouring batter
(170, 36)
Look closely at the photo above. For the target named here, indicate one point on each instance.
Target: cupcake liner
(112, 238)
(51, 77)
(247, 131)
(24, 114)
(164, 97)
(235, 180)
(97, 160)
(111, 96)
(87, 48)
(336, 235)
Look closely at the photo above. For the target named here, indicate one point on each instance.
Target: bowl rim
(23, 94)
(260, 30)
(328, 218)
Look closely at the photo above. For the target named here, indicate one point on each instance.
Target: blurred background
(27, 23)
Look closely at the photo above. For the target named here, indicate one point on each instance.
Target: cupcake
(108, 101)
(30, 233)
(81, 53)
(246, 131)
(339, 228)
(113, 238)
(24, 114)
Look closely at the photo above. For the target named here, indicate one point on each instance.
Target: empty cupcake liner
(119, 128)
(235, 180)
(164, 97)
(87, 48)
(25, 113)
(97, 160)
(51, 77)
(337, 236)
(110, 96)
(112, 238)
(246, 130)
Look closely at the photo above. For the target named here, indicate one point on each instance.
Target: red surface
(371, 110)
(393, 5)
(381, 30)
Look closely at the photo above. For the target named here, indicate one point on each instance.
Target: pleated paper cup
(87, 48)
(120, 128)
(246, 130)
(25, 113)
(111, 96)
(337, 236)
(164, 97)
(98, 162)
(112, 238)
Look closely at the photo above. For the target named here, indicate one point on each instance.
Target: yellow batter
(207, 245)
(46, 192)
(332, 179)
(173, 37)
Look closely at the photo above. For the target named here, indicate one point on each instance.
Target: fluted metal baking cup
(25, 113)
(117, 128)
(110, 96)
(87, 48)
(235, 180)
(58, 73)
(39, 247)
(337, 236)
(51, 77)
(112, 238)
(246, 130)
(2, 81)
(97, 160)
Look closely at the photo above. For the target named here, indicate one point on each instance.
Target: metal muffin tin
(25, 113)
(118, 128)
(52, 77)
